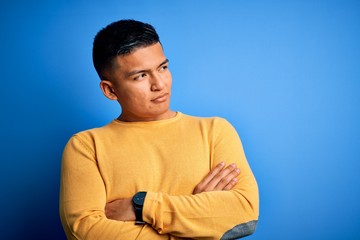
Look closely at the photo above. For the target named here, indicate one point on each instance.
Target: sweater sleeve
(210, 215)
(83, 199)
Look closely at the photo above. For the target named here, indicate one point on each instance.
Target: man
(152, 173)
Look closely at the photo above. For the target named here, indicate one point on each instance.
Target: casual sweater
(167, 159)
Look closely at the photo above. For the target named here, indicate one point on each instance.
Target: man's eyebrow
(164, 62)
(145, 70)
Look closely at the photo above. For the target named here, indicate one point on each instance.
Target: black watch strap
(138, 213)
(138, 203)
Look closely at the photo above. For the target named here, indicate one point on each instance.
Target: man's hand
(120, 210)
(219, 179)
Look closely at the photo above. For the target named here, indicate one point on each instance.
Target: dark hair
(120, 38)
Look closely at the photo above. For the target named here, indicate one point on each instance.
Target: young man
(152, 173)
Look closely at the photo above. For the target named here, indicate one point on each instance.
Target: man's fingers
(213, 174)
(222, 178)
(204, 183)
(226, 177)
(232, 182)
(218, 179)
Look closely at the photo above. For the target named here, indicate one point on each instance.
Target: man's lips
(160, 98)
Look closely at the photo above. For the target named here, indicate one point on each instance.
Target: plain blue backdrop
(286, 74)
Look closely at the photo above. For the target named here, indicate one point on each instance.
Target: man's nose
(157, 82)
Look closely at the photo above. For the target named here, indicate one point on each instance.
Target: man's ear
(108, 90)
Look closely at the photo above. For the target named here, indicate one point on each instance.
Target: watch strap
(138, 214)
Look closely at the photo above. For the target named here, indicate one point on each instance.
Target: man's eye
(140, 76)
(163, 68)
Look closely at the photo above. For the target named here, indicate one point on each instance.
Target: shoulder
(89, 136)
(213, 121)
(216, 128)
(214, 125)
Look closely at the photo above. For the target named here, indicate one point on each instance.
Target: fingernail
(222, 163)
(237, 170)
(233, 165)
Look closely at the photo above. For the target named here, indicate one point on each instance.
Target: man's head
(120, 38)
(133, 68)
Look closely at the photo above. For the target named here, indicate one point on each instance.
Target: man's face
(141, 82)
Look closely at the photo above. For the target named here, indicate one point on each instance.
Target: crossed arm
(219, 179)
(218, 204)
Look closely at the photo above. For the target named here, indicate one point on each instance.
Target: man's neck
(129, 118)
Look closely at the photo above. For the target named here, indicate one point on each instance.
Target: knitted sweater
(167, 159)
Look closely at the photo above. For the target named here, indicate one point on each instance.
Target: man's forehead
(145, 57)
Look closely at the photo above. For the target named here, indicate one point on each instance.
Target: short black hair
(120, 38)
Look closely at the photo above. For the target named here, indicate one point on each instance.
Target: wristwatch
(138, 203)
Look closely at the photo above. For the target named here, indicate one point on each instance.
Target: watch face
(139, 198)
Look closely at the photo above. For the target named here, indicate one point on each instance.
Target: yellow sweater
(166, 158)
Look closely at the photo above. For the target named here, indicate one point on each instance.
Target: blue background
(286, 74)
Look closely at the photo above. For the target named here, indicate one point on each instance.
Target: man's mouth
(160, 98)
